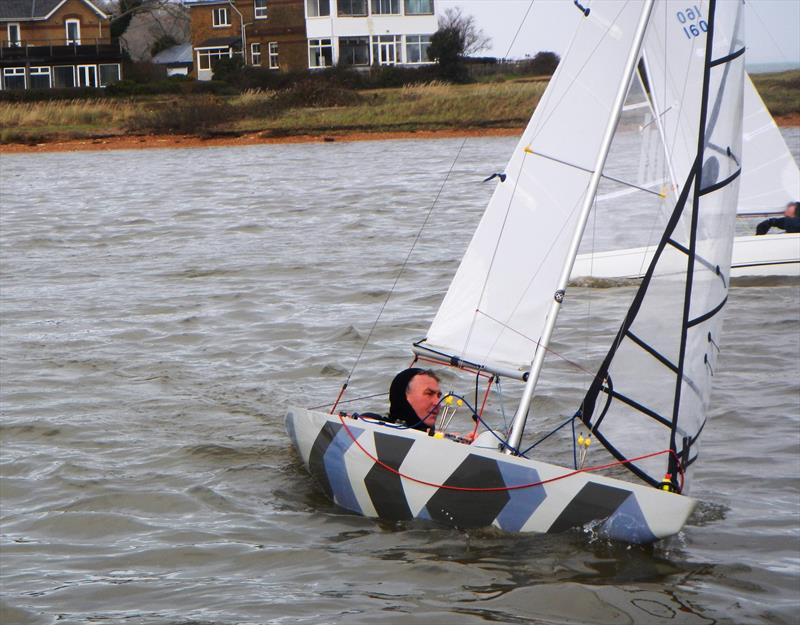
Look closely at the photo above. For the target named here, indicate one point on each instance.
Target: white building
(369, 32)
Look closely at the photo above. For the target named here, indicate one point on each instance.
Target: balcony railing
(57, 48)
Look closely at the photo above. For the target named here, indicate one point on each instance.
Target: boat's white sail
(496, 307)
(653, 387)
(770, 176)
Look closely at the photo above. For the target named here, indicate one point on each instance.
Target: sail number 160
(688, 16)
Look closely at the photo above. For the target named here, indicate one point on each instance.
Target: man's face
(790, 211)
(423, 394)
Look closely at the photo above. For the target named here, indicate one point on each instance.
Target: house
(369, 32)
(266, 33)
(56, 43)
(177, 60)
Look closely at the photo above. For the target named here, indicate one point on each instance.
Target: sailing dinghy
(647, 402)
(770, 179)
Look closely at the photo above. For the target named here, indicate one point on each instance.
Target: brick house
(56, 44)
(268, 33)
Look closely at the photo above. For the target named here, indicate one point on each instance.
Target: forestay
(495, 309)
(652, 389)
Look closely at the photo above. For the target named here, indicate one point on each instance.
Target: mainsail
(653, 386)
(770, 176)
(496, 308)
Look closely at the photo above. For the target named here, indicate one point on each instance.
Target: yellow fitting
(459, 402)
(438, 435)
(448, 400)
(580, 440)
(587, 441)
(528, 150)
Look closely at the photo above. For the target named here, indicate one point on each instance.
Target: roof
(182, 53)
(220, 42)
(36, 9)
(194, 3)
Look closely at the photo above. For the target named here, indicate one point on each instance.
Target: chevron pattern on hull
(417, 476)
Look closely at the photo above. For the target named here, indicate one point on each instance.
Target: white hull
(767, 255)
(341, 454)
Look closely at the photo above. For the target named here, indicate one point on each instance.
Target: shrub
(192, 116)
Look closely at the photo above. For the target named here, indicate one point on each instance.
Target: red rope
(492, 489)
(338, 398)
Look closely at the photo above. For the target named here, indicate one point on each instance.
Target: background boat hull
(767, 255)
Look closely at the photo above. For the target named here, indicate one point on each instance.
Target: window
(40, 78)
(354, 51)
(417, 48)
(273, 55)
(87, 75)
(64, 77)
(14, 78)
(419, 7)
(260, 9)
(14, 38)
(318, 8)
(255, 53)
(109, 74)
(220, 17)
(206, 57)
(384, 49)
(386, 7)
(348, 8)
(320, 53)
(73, 32)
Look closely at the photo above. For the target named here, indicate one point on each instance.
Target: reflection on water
(161, 309)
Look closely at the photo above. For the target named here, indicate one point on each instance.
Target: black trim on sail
(727, 58)
(687, 301)
(708, 315)
(709, 115)
(722, 183)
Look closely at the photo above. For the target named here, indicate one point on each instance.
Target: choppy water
(160, 309)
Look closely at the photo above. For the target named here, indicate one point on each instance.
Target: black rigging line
(519, 28)
(405, 263)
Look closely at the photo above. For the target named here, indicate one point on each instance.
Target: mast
(521, 415)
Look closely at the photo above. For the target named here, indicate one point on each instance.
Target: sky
(772, 26)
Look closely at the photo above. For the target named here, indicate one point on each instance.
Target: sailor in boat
(414, 398)
(789, 222)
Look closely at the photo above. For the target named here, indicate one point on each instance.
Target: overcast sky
(773, 26)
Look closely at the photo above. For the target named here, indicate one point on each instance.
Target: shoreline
(167, 141)
(146, 142)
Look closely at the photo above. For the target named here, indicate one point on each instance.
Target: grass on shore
(313, 108)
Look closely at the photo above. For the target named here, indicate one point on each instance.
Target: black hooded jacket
(790, 224)
(399, 408)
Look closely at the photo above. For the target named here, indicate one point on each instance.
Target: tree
(471, 38)
(122, 16)
(544, 63)
(457, 37)
(164, 42)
